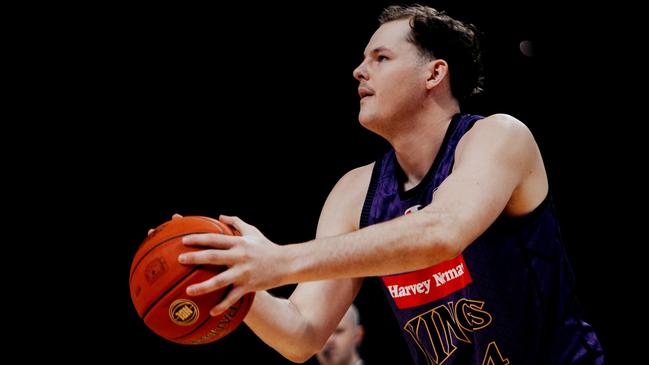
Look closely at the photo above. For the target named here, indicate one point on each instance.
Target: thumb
(238, 224)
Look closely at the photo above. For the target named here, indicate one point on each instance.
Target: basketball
(158, 283)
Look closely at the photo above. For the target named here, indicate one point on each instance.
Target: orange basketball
(158, 282)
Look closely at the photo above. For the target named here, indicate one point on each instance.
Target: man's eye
(381, 58)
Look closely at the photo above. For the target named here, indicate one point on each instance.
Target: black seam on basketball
(171, 287)
(158, 245)
(209, 316)
(219, 224)
(149, 250)
(211, 220)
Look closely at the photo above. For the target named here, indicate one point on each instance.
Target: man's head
(417, 52)
(437, 35)
(341, 347)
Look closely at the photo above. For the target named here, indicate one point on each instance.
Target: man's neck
(417, 145)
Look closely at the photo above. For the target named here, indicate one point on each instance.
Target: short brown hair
(438, 36)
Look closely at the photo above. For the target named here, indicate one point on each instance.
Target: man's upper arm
(325, 302)
(493, 162)
(342, 210)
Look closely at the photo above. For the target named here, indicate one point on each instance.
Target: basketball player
(455, 220)
(342, 346)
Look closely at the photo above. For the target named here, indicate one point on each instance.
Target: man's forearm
(404, 244)
(278, 323)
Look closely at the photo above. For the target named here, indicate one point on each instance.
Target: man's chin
(369, 122)
(366, 120)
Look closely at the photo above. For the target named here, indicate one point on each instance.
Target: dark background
(251, 110)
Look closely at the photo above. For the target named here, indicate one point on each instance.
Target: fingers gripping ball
(158, 283)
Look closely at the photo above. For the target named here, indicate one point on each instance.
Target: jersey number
(493, 356)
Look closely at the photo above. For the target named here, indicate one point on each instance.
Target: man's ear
(437, 71)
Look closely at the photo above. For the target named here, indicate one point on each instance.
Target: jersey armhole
(371, 191)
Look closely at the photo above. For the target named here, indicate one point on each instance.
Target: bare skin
(498, 170)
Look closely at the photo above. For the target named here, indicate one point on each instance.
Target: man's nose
(360, 73)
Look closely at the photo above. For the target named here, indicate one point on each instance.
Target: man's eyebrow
(377, 50)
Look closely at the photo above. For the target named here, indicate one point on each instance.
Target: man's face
(341, 344)
(392, 77)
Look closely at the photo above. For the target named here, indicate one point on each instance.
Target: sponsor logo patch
(426, 285)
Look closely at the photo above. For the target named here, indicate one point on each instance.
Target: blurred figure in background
(342, 346)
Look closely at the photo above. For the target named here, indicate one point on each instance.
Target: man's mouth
(364, 92)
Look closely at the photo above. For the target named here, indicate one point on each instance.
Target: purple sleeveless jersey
(507, 299)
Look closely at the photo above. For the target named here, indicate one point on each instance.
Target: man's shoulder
(347, 197)
(359, 173)
(500, 120)
(357, 179)
(500, 126)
